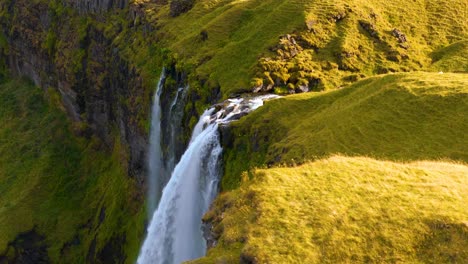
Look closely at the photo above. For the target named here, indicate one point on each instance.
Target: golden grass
(239, 33)
(346, 210)
(410, 116)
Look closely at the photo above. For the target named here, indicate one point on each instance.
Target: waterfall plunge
(161, 163)
(155, 159)
(175, 234)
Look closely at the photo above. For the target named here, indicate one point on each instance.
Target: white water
(155, 162)
(175, 234)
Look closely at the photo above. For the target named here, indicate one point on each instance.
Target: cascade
(175, 234)
(161, 163)
(155, 153)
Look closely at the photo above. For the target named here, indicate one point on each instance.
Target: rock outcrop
(28, 248)
(95, 6)
(179, 7)
(94, 91)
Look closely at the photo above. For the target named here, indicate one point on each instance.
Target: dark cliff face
(95, 6)
(62, 51)
(99, 89)
(71, 51)
(58, 46)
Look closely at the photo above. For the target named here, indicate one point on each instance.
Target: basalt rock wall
(95, 6)
(99, 89)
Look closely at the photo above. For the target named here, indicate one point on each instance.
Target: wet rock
(27, 248)
(302, 89)
(113, 252)
(210, 236)
(227, 139)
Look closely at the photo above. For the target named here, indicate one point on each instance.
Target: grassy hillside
(63, 195)
(346, 210)
(364, 191)
(407, 116)
(453, 58)
(228, 42)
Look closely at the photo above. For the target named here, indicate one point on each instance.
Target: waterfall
(155, 158)
(175, 234)
(164, 128)
(176, 112)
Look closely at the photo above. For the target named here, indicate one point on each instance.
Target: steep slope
(453, 58)
(346, 210)
(407, 116)
(63, 199)
(330, 43)
(347, 203)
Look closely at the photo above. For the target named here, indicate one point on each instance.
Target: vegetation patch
(68, 194)
(296, 46)
(345, 210)
(407, 116)
(453, 58)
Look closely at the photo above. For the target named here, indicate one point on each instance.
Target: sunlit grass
(238, 33)
(346, 210)
(410, 116)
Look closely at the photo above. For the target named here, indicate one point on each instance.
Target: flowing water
(175, 233)
(155, 158)
(162, 157)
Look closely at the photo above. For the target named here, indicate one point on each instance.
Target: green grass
(238, 33)
(365, 191)
(58, 184)
(453, 58)
(407, 116)
(345, 210)
(336, 49)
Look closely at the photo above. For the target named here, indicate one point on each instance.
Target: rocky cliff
(98, 87)
(85, 56)
(69, 48)
(95, 6)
